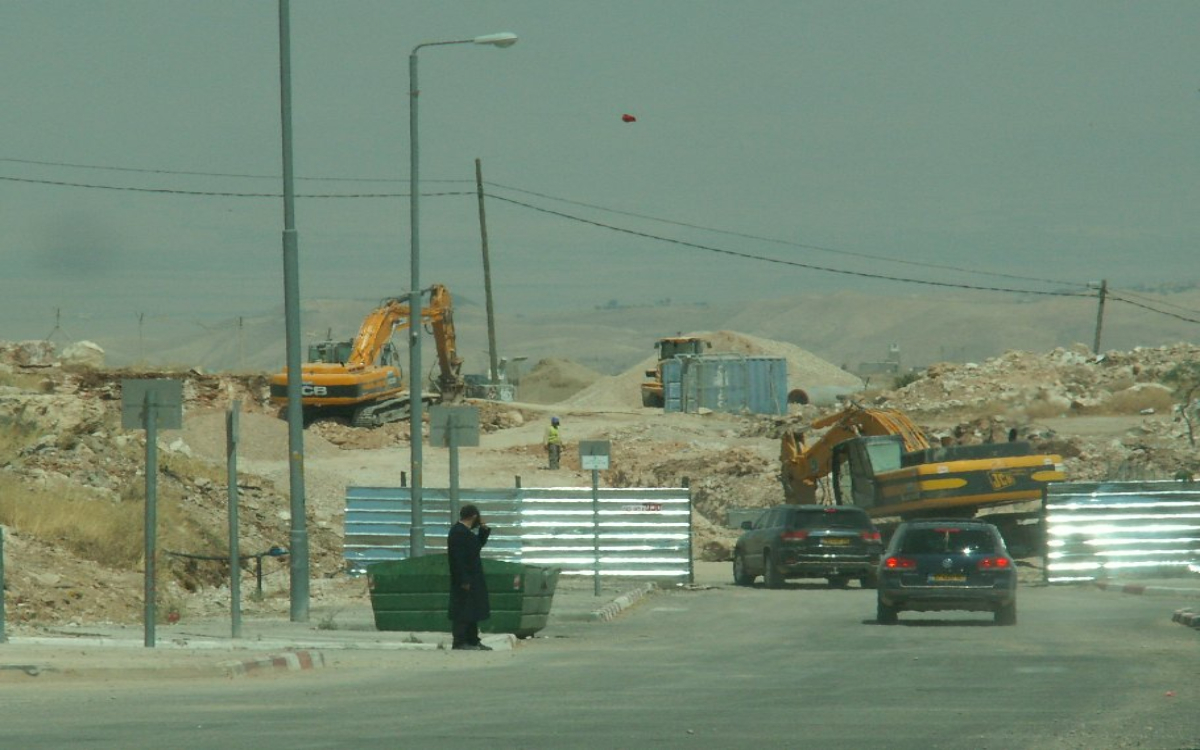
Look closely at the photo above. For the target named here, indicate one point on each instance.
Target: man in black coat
(468, 588)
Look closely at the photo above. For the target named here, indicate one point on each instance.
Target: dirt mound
(552, 380)
(804, 370)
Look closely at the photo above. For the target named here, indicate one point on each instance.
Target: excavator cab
(671, 348)
(331, 352)
(337, 352)
(856, 463)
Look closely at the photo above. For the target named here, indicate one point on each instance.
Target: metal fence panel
(643, 532)
(1113, 529)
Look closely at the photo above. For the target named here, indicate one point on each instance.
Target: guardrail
(1113, 529)
(642, 532)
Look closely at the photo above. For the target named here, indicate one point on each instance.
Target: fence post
(235, 562)
(150, 527)
(3, 628)
(596, 529)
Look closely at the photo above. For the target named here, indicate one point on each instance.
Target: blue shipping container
(731, 383)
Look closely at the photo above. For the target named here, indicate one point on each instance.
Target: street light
(417, 529)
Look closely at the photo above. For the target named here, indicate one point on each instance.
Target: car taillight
(795, 536)
(900, 563)
(995, 563)
(871, 536)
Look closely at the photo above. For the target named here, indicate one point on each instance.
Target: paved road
(727, 667)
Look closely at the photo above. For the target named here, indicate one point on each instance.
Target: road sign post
(451, 427)
(235, 562)
(148, 405)
(594, 455)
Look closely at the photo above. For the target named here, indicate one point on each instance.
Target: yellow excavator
(881, 461)
(361, 381)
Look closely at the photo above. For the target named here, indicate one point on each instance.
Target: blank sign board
(463, 420)
(168, 403)
(594, 454)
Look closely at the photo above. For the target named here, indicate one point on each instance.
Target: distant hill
(844, 328)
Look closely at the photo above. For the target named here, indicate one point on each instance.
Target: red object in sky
(628, 118)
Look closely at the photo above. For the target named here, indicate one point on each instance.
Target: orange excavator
(881, 461)
(361, 380)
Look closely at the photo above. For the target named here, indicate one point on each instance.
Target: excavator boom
(804, 465)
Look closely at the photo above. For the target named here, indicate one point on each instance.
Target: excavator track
(381, 412)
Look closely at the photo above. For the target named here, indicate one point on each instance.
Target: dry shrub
(1041, 409)
(1132, 402)
(21, 380)
(107, 531)
(100, 529)
(15, 436)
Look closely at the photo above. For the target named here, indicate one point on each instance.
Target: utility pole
(493, 362)
(1100, 315)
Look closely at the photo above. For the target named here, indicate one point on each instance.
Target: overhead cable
(221, 193)
(789, 243)
(1118, 298)
(780, 261)
(235, 175)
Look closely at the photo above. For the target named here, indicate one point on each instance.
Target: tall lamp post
(415, 377)
(298, 539)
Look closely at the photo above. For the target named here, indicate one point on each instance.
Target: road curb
(623, 602)
(1140, 589)
(291, 661)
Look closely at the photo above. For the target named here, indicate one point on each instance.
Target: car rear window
(946, 540)
(830, 519)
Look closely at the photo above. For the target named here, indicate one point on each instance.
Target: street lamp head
(503, 39)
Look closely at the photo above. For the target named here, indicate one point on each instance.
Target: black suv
(836, 542)
(935, 565)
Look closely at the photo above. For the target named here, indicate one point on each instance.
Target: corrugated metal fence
(1112, 529)
(643, 532)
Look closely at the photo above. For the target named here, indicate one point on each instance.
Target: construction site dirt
(72, 480)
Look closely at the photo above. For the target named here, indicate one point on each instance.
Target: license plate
(834, 541)
(947, 578)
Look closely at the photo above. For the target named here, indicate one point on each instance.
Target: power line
(217, 193)
(646, 235)
(774, 240)
(235, 175)
(766, 259)
(1148, 300)
(744, 235)
(1151, 309)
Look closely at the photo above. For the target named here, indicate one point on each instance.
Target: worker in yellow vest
(553, 443)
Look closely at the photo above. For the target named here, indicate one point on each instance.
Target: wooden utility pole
(493, 363)
(1100, 315)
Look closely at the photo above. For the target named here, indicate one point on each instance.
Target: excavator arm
(376, 330)
(440, 316)
(804, 465)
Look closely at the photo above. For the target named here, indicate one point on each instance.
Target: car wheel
(838, 582)
(869, 581)
(740, 576)
(772, 576)
(1007, 615)
(884, 613)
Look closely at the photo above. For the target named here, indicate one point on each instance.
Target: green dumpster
(414, 595)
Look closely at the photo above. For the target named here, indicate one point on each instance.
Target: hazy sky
(1055, 140)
